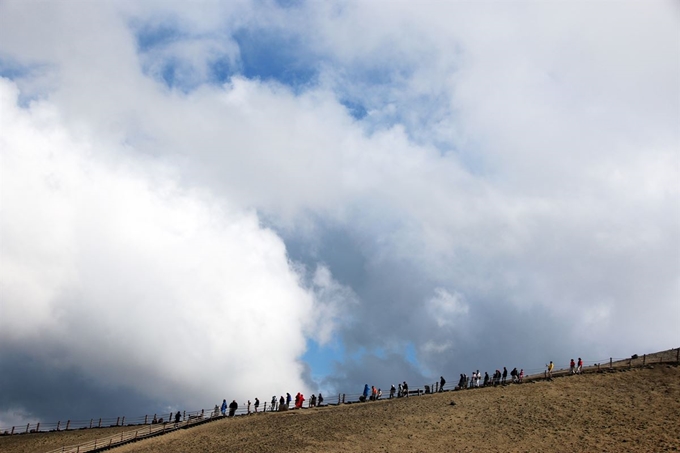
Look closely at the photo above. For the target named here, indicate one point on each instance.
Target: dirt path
(636, 410)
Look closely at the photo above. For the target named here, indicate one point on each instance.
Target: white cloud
(447, 309)
(114, 269)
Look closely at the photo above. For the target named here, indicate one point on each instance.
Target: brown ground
(636, 410)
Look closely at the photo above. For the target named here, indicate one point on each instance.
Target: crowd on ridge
(372, 393)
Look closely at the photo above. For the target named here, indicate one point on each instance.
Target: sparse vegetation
(624, 410)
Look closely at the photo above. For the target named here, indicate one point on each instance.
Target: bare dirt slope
(636, 410)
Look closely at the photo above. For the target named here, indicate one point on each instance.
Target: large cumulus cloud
(458, 186)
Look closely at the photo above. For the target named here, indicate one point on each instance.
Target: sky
(228, 200)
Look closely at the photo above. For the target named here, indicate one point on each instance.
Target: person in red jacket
(572, 367)
(580, 366)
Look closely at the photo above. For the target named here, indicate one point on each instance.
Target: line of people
(498, 378)
(281, 404)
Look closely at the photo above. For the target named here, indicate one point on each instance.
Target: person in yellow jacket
(550, 368)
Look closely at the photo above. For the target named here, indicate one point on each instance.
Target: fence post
(12, 433)
(184, 415)
(37, 428)
(117, 421)
(30, 425)
(91, 423)
(170, 417)
(644, 359)
(58, 424)
(146, 417)
(343, 398)
(338, 399)
(68, 424)
(122, 423)
(265, 407)
(100, 423)
(610, 363)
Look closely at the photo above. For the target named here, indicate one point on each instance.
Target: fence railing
(191, 418)
(156, 423)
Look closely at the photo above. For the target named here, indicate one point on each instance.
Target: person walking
(232, 408)
(572, 367)
(224, 407)
(442, 381)
(550, 370)
(257, 404)
(580, 366)
(366, 392)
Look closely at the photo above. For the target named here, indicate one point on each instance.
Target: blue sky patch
(355, 109)
(11, 69)
(151, 37)
(268, 55)
(321, 359)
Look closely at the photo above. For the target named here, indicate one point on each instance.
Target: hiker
(155, 420)
(393, 390)
(479, 378)
(273, 403)
(319, 400)
(580, 366)
(374, 393)
(257, 404)
(513, 373)
(486, 378)
(405, 386)
(572, 367)
(505, 376)
(282, 403)
(248, 407)
(178, 416)
(550, 369)
(521, 375)
(288, 399)
(224, 407)
(312, 401)
(401, 391)
(302, 400)
(379, 394)
(216, 410)
(366, 392)
(442, 381)
(232, 408)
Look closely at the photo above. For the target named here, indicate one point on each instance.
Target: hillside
(627, 410)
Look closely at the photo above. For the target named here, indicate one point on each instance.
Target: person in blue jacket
(223, 409)
(366, 392)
